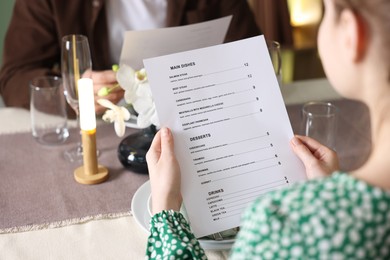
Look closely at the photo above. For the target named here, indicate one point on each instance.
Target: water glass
(276, 58)
(48, 110)
(320, 122)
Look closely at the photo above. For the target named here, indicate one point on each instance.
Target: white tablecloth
(118, 238)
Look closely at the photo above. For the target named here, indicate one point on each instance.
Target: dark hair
(376, 14)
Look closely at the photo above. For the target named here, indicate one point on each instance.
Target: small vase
(132, 150)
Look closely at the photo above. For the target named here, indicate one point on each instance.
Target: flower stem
(104, 91)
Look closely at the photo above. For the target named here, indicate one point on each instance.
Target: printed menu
(138, 45)
(230, 126)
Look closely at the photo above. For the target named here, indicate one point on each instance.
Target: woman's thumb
(302, 151)
(166, 142)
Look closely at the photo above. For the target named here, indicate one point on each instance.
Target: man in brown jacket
(32, 45)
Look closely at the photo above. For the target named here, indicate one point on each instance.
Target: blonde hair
(376, 14)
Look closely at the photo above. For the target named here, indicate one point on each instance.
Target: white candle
(86, 104)
(90, 172)
(88, 125)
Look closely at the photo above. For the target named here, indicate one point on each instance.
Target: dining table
(46, 214)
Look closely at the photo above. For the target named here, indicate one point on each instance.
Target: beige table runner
(37, 188)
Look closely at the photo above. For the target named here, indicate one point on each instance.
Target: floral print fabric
(339, 217)
(171, 238)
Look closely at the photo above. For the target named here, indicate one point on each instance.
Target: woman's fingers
(318, 159)
(302, 151)
(164, 172)
(154, 152)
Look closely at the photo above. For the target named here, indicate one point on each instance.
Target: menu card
(138, 45)
(230, 126)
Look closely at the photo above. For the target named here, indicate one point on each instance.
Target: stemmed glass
(75, 64)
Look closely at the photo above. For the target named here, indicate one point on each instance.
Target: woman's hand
(319, 160)
(164, 173)
(106, 79)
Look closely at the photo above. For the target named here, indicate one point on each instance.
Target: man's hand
(106, 79)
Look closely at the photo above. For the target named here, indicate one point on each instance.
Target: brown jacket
(32, 45)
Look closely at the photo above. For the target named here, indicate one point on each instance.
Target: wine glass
(75, 64)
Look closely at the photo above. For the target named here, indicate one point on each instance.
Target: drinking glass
(276, 58)
(48, 110)
(320, 122)
(75, 64)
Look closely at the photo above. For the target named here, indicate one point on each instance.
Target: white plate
(140, 212)
(132, 123)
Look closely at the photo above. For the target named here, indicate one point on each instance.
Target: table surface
(119, 236)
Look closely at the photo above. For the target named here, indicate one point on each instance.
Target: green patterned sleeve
(266, 233)
(253, 240)
(171, 236)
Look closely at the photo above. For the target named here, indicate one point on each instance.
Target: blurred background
(5, 15)
(294, 23)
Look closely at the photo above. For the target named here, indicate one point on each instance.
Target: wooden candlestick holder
(90, 172)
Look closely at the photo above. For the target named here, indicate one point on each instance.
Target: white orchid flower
(115, 114)
(126, 78)
(147, 116)
(145, 107)
(138, 94)
(140, 76)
